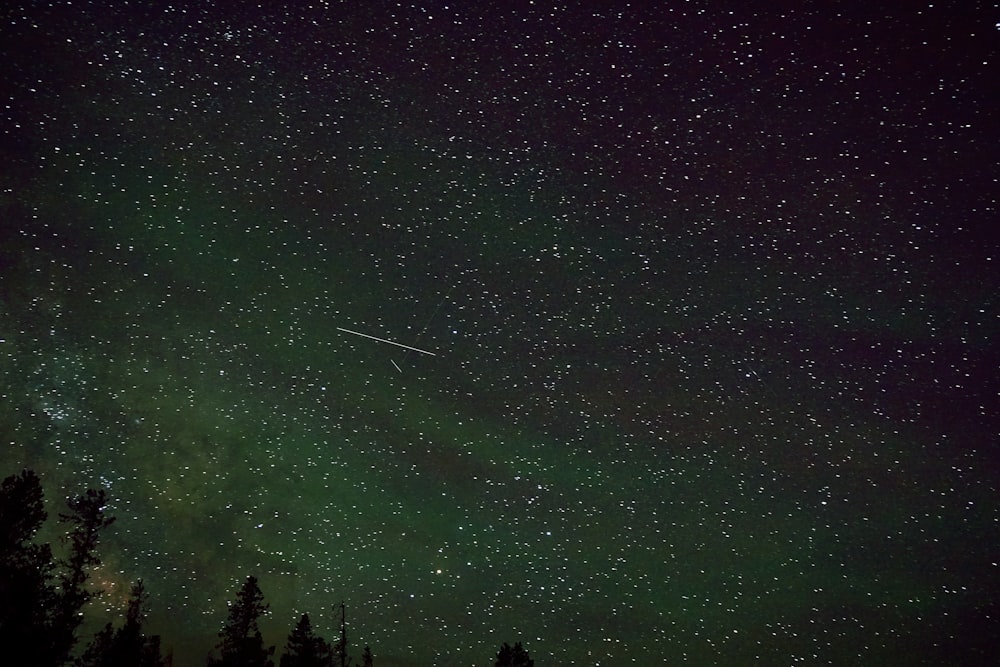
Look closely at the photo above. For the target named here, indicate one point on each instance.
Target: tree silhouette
(340, 648)
(38, 620)
(100, 649)
(513, 657)
(128, 645)
(242, 645)
(42, 600)
(87, 520)
(305, 649)
(27, 597)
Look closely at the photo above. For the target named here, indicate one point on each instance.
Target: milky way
(711, 295)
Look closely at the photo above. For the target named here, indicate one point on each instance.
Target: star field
(712, 294)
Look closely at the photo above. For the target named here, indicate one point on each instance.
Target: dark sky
(711, 293)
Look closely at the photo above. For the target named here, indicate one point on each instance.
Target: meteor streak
(383, 340)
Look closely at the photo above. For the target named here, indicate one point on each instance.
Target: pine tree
(366, 657)
(100, 648)
(241, 643)
(27, 596)
(513, 657)
(340, 648)
(87, 519)
(128, 645)
(305, 649)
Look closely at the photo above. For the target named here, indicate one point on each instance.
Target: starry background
(711, 290)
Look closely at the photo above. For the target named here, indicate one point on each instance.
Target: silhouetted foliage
(87, 520)
(99, 649)
(340, 648)
(42, 600)
(128, 645)
(242, 645)
(27, 597)
(38, 621)
(305, 649)
(513, 657)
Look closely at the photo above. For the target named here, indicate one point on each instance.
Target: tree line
(43, 600)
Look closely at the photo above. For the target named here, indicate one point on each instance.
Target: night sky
(711, 292)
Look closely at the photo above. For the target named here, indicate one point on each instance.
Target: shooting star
(397, 367)
(383, 340)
